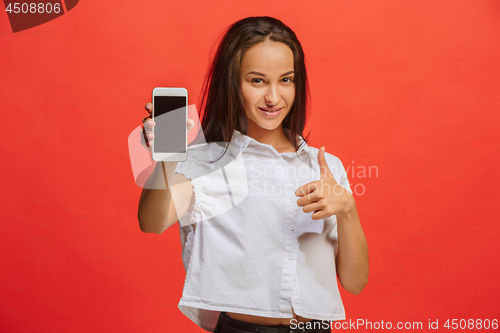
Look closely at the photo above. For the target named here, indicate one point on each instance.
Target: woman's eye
(288, 80)
(256, 80)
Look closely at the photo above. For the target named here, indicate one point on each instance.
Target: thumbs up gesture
(325, 197)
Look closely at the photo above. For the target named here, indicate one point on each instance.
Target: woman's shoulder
(334, 163)
(207, 153)
(330, 158)
(203, 159)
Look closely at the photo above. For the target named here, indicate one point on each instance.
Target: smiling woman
(259, 260)
(254, 55)
(268, 91)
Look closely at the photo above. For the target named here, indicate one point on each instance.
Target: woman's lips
(271, 112)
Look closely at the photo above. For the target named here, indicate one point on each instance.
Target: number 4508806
(33, 8)
(471, 324)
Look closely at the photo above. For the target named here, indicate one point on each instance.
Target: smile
(271, 113)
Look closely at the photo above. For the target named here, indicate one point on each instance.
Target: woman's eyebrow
(264, 75)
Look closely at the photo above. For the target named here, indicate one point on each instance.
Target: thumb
(323, 166)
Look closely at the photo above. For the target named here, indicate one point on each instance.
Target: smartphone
(170, 113)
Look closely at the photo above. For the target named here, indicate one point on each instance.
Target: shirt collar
(242, 141)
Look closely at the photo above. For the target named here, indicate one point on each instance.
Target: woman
(262, 258)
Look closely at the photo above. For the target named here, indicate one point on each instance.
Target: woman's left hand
(324, 197)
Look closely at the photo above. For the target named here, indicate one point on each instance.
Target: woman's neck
(275, 138)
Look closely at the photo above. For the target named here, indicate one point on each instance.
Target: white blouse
(247, 246)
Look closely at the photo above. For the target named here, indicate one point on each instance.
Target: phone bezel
(162, 156)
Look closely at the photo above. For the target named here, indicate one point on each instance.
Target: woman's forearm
(352, 256)
(155, 213)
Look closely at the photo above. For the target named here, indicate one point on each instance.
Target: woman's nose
(271, 96)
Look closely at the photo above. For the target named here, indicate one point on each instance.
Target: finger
(149, 107)
(149, 137)
(312, 207)
(147, 127)
(190, 124)
(323, 166)
(308, 199)
(320, 214)
(149, 123)
(306, 189)
(144, 138)
(147, 133)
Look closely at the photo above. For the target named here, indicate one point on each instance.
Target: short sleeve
(196, 211)
(210, 182)
(340, 175)
(182, 167)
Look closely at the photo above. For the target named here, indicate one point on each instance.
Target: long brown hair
(222, 100)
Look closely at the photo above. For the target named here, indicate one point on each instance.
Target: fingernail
(148, 107)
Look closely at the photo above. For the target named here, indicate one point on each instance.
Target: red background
(411, 87)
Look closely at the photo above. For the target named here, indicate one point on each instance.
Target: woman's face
(267, 84)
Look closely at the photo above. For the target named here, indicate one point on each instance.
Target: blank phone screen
(170, 129)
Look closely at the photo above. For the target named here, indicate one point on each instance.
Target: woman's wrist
(348, 212)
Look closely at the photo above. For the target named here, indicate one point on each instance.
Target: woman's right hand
(148, 124)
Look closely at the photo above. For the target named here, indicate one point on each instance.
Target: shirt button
(291, 227)
(292, 200)
(290, 257)
(278, 161)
